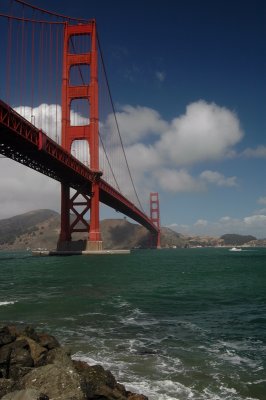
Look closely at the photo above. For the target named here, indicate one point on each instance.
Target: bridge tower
(87, 91)
(155, 218)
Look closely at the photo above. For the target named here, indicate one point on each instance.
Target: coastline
(34, 366)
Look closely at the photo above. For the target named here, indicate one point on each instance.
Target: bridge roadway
(23, 142)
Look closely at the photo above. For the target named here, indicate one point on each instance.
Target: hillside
(40, 229)
(237, 240)
(22, 230)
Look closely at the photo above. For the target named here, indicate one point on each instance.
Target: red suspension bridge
(67, 131)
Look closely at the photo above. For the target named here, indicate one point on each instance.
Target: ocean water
(172, 324)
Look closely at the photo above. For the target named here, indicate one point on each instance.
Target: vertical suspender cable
(117, 126)
(8, 63)
(32, 70)
(56, 88)
(21, 64)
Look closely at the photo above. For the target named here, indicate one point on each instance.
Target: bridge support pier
(94, 246)
(79, 205)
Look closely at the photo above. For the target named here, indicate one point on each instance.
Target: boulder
(47, 341)
(29, 394)
(6, 386)
(5, 354)
(38, 353)
(134, 396)
(33, 366)
(56, 382)
(59, 356)
(15, 359)
(6, 336)
(99, 383)
(20, 362)
(30, 332)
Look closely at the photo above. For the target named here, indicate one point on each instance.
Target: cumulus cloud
(46, 117)
(205, 132)
(254, 225)
(258, 152)
(135, 124)
(201, 222)
(172, 180)
(258, 220)
(159, 152)
(262, 200)
(218, 179)
(23, 189)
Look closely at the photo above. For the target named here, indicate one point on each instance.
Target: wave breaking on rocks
(34, 366)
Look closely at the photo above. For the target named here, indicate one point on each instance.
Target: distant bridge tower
(155, 218)
(86, 91)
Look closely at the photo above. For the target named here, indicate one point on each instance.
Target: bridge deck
(26, 144)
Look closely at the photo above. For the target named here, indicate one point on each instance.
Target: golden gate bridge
(57, 116)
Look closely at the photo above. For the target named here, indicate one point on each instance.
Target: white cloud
(262, 200)
(135, 124)
(155, 147)
(218, 179)
(160, 75)
(258, 220)
(46, 117)
(225, 219)
(23, 189)
(172, 180)
(157, 150)
(251, 225)
(201, 222)
(258, 152)
(205, 132)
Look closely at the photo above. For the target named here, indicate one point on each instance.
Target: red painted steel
(88, 132)
(155, 218)
(26, 144)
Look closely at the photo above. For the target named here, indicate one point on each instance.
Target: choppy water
(172, 324)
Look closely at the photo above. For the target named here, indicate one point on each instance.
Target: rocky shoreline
(34, 366)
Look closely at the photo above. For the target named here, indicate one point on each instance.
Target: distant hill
(25, 225)
(41, 228)
(237, 240)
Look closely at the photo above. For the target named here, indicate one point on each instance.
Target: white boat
(235, 249)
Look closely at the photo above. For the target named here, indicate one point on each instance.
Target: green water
(172, 324)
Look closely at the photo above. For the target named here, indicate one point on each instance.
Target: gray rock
(100, 383)
(5, 354)
(29, 394)
(57, 382)
(38, 353)
(59, 356)
(6, 386)
(5, 336)
(47, 341)
(34, 366)
(21, 361)
(15, 359)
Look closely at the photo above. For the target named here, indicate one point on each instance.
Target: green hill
(236, 240)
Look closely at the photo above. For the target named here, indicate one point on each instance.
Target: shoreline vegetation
(34, 366)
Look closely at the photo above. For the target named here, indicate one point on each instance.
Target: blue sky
(192, 75)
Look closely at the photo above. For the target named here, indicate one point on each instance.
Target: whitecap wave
(6, 303)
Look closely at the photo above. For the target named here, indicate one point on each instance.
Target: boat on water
(235, 249)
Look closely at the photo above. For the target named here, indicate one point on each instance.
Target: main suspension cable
(116, 122)
(24, 3)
